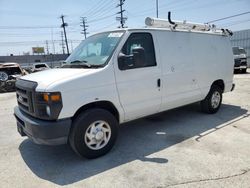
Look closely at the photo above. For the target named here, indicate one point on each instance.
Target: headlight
(48, 105)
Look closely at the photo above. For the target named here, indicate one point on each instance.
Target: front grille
(237, 62)
(243, 61)
(25, 91)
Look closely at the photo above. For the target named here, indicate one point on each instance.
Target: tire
(243, 70)
(236, 71)
(212, 102)
(3, 76)
(93, 133)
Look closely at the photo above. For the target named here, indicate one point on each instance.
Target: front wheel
(212, 102)
(93, 133)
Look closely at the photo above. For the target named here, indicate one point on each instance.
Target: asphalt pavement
(178, 148)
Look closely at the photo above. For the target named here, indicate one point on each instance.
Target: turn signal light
(54, 97)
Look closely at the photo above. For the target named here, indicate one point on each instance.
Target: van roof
(146, 28)
(180, 26)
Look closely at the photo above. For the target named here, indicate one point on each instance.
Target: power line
(100, 19)
(105, 12)
(235, 23)
(94, 8)
(228, 17)
(102, 8)
(28, 27)
(103, 28)
(34, 41)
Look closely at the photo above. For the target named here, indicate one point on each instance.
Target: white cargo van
(118, 76)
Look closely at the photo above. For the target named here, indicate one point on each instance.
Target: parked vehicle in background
(9, 73)
(37, 67)
(240, 59)
(122, 75)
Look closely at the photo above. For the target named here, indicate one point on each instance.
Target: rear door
(139, 84)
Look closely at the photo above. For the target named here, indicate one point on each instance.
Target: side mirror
(136, 60)
(125, 61)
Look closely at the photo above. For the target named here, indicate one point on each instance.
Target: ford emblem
(20, 98)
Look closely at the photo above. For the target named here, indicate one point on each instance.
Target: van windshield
(94, 51)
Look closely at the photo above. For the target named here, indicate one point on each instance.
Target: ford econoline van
(118, 76)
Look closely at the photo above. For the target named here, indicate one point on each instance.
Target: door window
(138, 51)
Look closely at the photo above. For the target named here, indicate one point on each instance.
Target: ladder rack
(187, 26)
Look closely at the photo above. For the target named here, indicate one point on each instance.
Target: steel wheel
(215, 99)
(3, 76)
(97, 135)
(212, 102)
(93, 133)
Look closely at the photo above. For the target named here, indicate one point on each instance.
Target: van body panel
(138, 91)
(179, 80)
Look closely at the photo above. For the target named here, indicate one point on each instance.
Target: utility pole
(157, 9)
(62, 44)
(121, 18)
(84, 31)
(72, 48)
(47, 47)
(63, 26)
(52, 40)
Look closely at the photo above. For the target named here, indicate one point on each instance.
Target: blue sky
(28, 23)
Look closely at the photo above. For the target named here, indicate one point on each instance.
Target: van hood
(48, 77)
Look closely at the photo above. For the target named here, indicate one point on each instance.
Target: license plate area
(20, 130)
(20, 125)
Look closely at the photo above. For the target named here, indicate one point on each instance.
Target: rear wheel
(212, 102)
(93, 133)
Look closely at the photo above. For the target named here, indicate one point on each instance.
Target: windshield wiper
(80, 64)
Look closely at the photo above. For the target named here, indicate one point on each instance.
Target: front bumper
(240, 63)
(241, 67)
(42, 131)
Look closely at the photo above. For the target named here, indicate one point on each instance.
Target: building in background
(27, 60)
(242, 39)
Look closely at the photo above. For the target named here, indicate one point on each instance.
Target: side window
(138, 52)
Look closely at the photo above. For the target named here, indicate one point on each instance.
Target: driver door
(139, 81)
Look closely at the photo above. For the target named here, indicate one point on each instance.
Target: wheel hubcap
(215, 100)
(97, 135)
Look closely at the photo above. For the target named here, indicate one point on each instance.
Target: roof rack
(183, 25)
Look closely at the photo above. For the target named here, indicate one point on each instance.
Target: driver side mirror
(136, 60)
(125, 61)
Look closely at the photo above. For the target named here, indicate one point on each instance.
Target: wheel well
(219, 83)
(100, 104)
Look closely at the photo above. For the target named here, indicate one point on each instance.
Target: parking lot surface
(178, 148)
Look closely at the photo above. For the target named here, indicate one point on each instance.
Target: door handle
(159, 82)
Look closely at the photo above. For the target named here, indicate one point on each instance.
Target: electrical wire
(228, 17)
